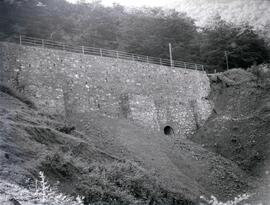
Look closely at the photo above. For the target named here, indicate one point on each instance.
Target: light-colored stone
(155, 96)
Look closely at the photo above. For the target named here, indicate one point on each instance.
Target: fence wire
(45, 43)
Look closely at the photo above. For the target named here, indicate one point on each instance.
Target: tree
(146, 31)
(149, 31)
(243, 46)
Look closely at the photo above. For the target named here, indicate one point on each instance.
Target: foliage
(43, 194)
(149, 31)
(237, 200)
(146, 31)
(243, 46)
(117, 183)
(48, 194)
(125, 183)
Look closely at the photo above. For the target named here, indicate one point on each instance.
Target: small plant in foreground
(49, 195)
(236, 201)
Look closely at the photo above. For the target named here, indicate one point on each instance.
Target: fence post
(100, 52)
(200, 67)
(20, 39)
(170, 50)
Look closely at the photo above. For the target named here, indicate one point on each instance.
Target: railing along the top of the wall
(44, 43)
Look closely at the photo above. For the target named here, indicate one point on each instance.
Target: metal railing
(44, 43)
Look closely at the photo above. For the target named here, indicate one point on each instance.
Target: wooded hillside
(146, 31)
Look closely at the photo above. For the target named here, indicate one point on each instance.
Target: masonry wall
(149, 95)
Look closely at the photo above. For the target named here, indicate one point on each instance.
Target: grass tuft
(14, 93)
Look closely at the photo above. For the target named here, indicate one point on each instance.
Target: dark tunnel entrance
(168, 130)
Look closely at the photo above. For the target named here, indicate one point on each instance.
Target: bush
(126, 183)
(237, 200)
(50, 195)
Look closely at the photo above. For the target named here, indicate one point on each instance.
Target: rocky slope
(109, 161)
(239, 127)
(31, 142)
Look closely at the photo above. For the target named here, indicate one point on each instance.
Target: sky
(135, 3)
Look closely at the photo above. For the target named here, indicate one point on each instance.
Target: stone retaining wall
(150, 95)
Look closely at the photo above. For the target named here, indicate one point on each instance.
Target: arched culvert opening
(168, 130)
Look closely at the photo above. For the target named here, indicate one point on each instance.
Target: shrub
(237, 200)
(49, 194)
(126, 182)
